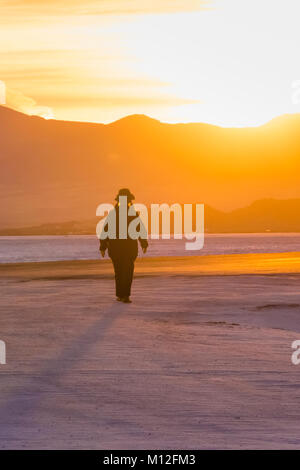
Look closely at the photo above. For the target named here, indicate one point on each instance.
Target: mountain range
(53, 171)
(268, 215)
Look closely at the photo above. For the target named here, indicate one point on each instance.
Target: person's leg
(127, 277)
(130, 275)
(124, 269)
(123, 278)
(118, 276)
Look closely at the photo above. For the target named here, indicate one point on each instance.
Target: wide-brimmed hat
(125, 192)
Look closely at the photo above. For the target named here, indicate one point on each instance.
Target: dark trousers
(124, 268)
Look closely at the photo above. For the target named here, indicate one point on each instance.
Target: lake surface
(76, 247)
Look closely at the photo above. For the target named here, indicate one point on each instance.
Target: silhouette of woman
(122, 251)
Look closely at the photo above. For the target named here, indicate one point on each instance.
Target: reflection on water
(70, 247)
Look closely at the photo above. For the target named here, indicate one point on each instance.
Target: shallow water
(70, 247)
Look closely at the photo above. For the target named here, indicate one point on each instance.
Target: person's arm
(144, 244)
(109, 222)
(103, 240)
(143, 240)
(103, 246)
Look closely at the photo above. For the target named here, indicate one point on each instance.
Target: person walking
(122, 251)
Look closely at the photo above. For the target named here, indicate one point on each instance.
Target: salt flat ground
(196, 361)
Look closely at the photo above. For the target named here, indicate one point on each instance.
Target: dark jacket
(122, 248)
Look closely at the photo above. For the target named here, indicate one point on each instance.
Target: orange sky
(225, 62)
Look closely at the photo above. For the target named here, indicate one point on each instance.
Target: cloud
(25, 104)
(117, 7)
(121, 101)
(76, 65)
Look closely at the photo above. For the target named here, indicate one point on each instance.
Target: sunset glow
(224, 62)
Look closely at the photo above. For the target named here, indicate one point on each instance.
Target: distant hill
(53, 171)
(267, 215)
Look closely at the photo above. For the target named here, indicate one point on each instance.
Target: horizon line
(142, 115)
